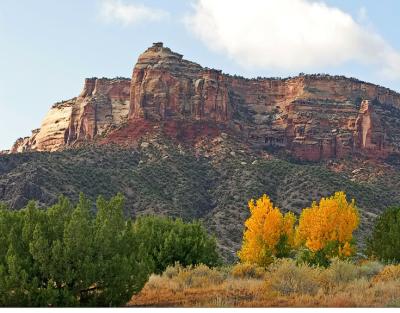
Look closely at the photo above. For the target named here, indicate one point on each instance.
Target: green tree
(384, 242)
(124, 266)
(168, 241)
(67, 256)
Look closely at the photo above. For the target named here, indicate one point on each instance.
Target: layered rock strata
(102, 104)
(313, 117)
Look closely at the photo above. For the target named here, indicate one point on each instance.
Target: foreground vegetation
(324, 231)
(212, 182)
(67, 255)
(285, 263)
(77, 255)
(282, 284)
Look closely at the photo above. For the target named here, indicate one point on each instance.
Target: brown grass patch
(388, 273)
(285, 285)
(247, 270)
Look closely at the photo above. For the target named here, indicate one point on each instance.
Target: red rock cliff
(311, 116)
(102, 104)
(165, 86)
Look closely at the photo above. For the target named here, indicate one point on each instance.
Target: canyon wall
(313, 117)
(102, 105)
(165, 86)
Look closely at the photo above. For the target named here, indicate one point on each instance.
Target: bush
(286, 278)
(247, 270)
(201, 276)
(384, 242)
(370, 268)
(168, 241)
(179, 278)
(66, 256)
(388, 273)
(339, 273)
(172, 271)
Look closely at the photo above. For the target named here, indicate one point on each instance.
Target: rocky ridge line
(312, 117)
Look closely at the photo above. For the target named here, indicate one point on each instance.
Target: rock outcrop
(102, 104)
(313, 117)
(25, 144)
(164, 86)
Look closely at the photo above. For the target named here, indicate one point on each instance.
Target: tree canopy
(168, 241)
(384, 242)
(268, 233)
(326, 228)
(66, 256)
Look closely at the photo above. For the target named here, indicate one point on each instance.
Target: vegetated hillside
(187, 141)
(211, 181)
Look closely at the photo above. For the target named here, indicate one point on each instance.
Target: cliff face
(313, 117)
(102, 104)
(166, 86)
(24, 144)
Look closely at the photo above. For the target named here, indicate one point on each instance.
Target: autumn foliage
(268, 233)
(325, 230)
(328, 226)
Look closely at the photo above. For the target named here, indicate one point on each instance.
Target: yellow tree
(267, 233)
(327, 228)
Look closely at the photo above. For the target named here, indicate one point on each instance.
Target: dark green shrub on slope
(384, 242)
(168, 241)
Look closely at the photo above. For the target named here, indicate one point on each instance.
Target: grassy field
(282, 284)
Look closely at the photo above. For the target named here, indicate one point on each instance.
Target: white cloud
(129, 13)
(289, 35)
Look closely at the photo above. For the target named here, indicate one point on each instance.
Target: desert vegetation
(284, 283)
(85, 255)
(312, 262)
(67, 255)
(162, 180)
(324, 231)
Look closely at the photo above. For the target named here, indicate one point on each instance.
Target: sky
(48, 47)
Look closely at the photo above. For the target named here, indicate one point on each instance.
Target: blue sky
(48, 47)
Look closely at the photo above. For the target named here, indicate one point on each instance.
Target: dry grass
(283, 284)
(285, 278)
(247, 270)
(181, 278)
(389, 273)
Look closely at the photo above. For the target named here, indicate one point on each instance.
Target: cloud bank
(289, 35)
(129, 13)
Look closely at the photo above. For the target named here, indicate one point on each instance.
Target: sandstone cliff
(102, 104)
(165, 86)
(313, 117)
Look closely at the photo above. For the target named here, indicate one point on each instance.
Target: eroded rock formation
(102, 104)
(164, 85)
(313, 117)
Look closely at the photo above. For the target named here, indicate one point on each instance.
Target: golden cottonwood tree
(329, 224)
(267, 233)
